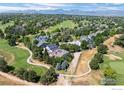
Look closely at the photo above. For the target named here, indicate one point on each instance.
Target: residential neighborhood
(64, 47)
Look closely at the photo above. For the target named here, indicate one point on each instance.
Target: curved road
(29, 61)
(81, 75)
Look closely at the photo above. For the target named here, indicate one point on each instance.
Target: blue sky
(70, 6)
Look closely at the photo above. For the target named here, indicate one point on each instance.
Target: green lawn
(117, 65)
(2, 27)
(64, 24)
(20, 57)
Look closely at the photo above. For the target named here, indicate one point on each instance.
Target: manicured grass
(64, 24)
(3, 26)
(7, 56)
(20, 57)
(117, 65)
(120, 79)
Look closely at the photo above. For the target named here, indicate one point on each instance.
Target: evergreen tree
(84, 44)
(49, 77)
(102, 49)
(45, 55)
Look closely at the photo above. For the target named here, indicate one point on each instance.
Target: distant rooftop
(42, 38)
(52, 46)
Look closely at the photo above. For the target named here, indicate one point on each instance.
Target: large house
(41, 40)
(52, 49)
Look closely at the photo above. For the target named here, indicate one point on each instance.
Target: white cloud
(29, 7)
(107, 8)
(53, 4)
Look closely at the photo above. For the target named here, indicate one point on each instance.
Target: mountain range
(71, 12)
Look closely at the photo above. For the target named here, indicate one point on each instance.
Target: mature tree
(37, 53)
(1, 34)
(49, 77)
(19, 72)
(42, 33)
(45, 55)
(25, 75)
(68, 57)
(98, 39)
(120, 41)
(12, 41)
(99, 57)
(4, 67)
(26, 40)
(94, 64)
(32, 76)
(105, 33)
(109, 72)
(112, 32)
(35, 42)
(28, 75)
(54, 60)
(84, 44)
(102, 49)
(110, 76)
(70, 47)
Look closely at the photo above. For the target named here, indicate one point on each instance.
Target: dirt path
(82, 66)
(62, 80)
(81, 70)
(85, 58)
(109, 42)
(16, 79)
(6, 81)
(92, 78)
(73, 64)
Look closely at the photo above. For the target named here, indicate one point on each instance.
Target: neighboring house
(75, 43)
(90, 36)
(42, 40)
(51, 47)
(58, 53)
(89, 39)
(44, 45)
(83, 38)
(54, 50)
(86, 38)
(40, 43)
(62, 66)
